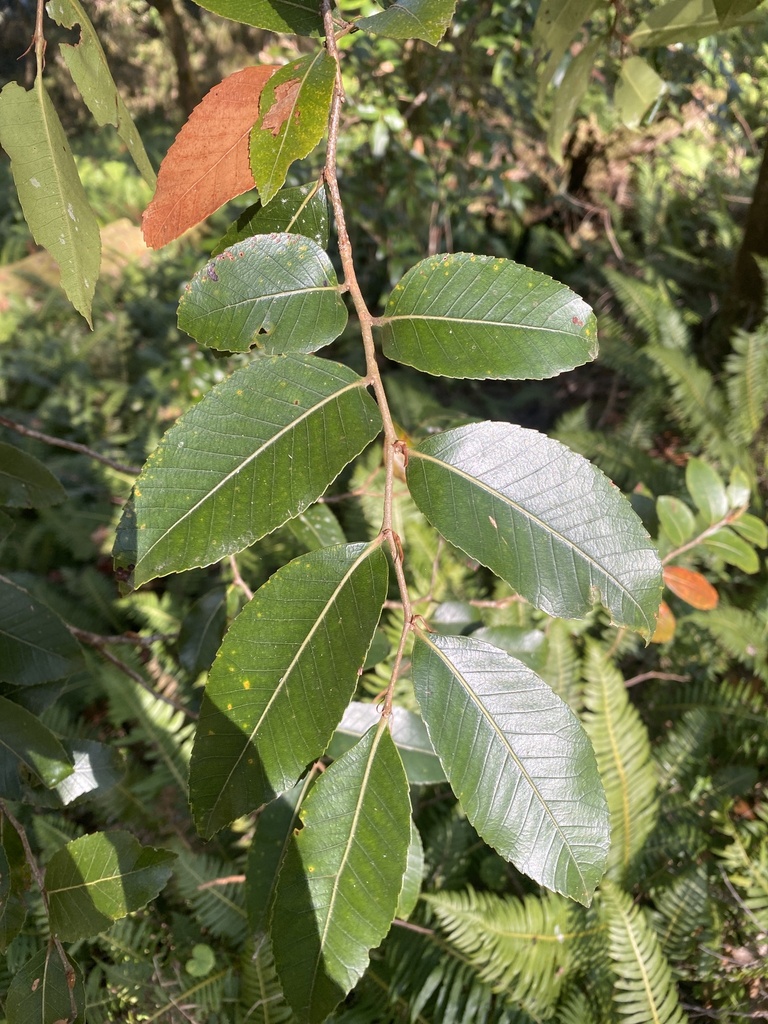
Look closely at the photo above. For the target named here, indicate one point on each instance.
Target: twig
(237, 579)
(71, 446)
(240, 879)
(656, 675)
(730, 517)
(413, 927)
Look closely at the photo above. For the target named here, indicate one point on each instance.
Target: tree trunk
(190, 92)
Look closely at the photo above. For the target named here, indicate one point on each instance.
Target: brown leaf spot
(283, 108)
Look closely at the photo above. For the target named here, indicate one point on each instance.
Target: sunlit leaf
(95, 770)
(414, 873)
(46, 991)
(301, 211)
(35, 645)
(666, 624)
(684, 21)
(337, 895)
(477, 316)
(733, 549)
(286, 670)
(676, 519)
(707, 490)
(25, 741)
(100, 878)
(544, 519)
(25, 482)
(299, 16)
(691, 587)
(411, 19)
(569, 95)
(518, 760)
(257, 450)
(752, 529)
(52, 198)
(208, 163)
(637, 90)
(294, 114)
(273, 292)
(557, 22)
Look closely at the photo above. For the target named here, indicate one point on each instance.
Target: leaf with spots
(302, 210)
(542, 518)
(299, 16)
(45, 990)
(207, 165)
(477, 316)
(411, 19)
(52, 197)
(257, 450)
(286, 671)
(274, 292)
(294, 115)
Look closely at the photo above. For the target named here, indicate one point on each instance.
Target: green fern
(261, 997)
(562, 669)
(747, 383)
(649, 309)
(741, 634)
(218, 905)
(685, 920)
(746, 863)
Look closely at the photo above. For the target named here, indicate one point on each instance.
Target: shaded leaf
(299, 16)
(25, 741)
(728, 10)
(52, 198)
(208, 164)
(291, 424)
(25, 482)
(201, 631)
(477, 316)
(691, 587)
(286, 670)
(414, 872)
(518, 760)
(88, 66)
(557, 22)
(637, 90)
(100, 878)
(569, 95)
(35, 645)
(421, 763)
(733, 549)
(6, 526)
(337, 895)
(316, 528)
(683, 21)
(294, 114)
(274, 292)
(666, 624)
(676, 519)
(527, 645)
(411, 19)
(544, 519)
(301, 211)
(16, 874)
(44, 991)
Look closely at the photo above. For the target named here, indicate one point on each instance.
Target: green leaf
(274, 830)
(95, 770)
(274, 292)
(421, 763)
(201, 631)
(518, 760)
(481, 317)
(527, 645)
(707, 490)
(286, 670)
(202, 961)
(25, 741)
(739, 489)
(637, 90)
(16, 873)
(302, 210)
(25, 482)
(733, 549)
(88, 66)
(45, 991)
(6, 526)
(411, 19)
(676, 519)
(35, 645)
(414, 873)
(295, 104)
(291, 424)
(341, 879)
(557, 22)
(100, 878)
(316, 528)
(683, 21)
(752, 529)
(569, 95)
(51, 195)
(299, 16)
(729, 10)
(544, 519)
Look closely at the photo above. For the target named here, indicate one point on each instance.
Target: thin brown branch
(71, 446)
(656, 675)
(729, 517)
(213, 882)
(237, 579)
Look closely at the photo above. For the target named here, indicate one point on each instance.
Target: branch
(72, 446)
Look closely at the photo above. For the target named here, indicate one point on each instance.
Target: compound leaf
(411, 19)
(477, 316)
(544, 519)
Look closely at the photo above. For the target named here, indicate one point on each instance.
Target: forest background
(651, 202)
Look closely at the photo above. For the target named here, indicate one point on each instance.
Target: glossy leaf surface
(518, 760)
(411, 19)
(337, 894)
(52, 198)
(25, 741)
(676, 519)
(256, 450)
(294, 114)
(100, 878)
(637, 89)
(286, 670)
(481, 317)
(90, 72)
(43, 992)
(302, 210)
(274, 292)
(544, 519)
(707, 490)
(95, 770)
(35, 645)
(691, 587)
(25, 482)
(299, 16)
(733, 549)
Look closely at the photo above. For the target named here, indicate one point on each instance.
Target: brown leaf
(283, 107)
(208, 163)
(665, 625)
(691, 587)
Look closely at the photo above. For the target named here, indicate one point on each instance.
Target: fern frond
(747, 867)
(695, 401)
(742, 634)
(562, 669)
(685, 919)
(575, 1009)
(623, 754)
(644, 991)
(218, 907)
(520, 947)
(649, 309)
(261, 996)
(747, 383)
(683, 750)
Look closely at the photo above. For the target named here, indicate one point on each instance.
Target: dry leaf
(208, 163)
(665, 625)
(691, 587)
(283, 107)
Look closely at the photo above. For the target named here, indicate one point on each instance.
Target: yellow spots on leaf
(246, 684)
(229, 707)
(137, 492)
(239, 392)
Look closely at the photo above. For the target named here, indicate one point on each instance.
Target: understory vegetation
(481, 598)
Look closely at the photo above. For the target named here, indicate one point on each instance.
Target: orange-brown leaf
(665, 625)
(208, 163)
(691, 587)
(283, 107)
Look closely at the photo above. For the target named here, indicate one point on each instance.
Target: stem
(729, 517)
(392, 444)
(71, 446)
